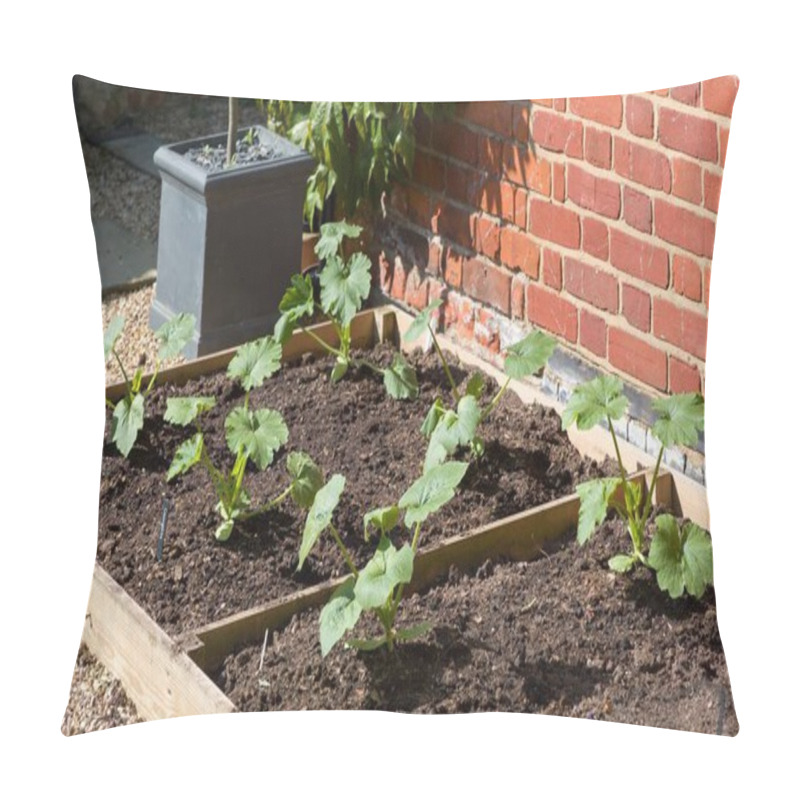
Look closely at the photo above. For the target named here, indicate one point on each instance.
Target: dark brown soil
(561, 635)
(351, 427)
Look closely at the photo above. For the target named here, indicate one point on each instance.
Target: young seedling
(680, 557)
(128, 413)
(344, 285)
(456, 425)
(378, 586)
(251, 435)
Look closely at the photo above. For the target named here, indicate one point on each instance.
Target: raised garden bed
(199, 581)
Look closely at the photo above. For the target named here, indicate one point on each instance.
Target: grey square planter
(228, 241)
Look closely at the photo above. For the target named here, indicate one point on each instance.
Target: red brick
(687, 180)
(593, 333)
(640, 259)
(559, 182)
(490, 155)
(451, 139)
(605, 110)
(695, 136)
(520, 122)
(487, 283)
(521, 208)
(497, 197)
(724, 133)
(453, 265)
(719, 94)
(419, 207)
(553, 132)
(487, 237)
(687, 278)
(598, 147)
(685, 329)
(712, 183)
(560, 104)
(683, 377)
(636, 307)
(398, 281)
(454, 224)
(522, 167)
(552, 312)
(459, 312)
(637, 358)
(595, 238)
(518, 284)
(660, 92)
(639, 116)
(493, 115)
(706, 284)
(416, 290)
(487, 331)
(641, 164)
(518, 250)
(590, 191)
(591, 284)
(637, 210)
(464, 184)
(551, 270)
(554, 223)
(684, 228)
(429, 171)
(547, 102)
(434, 258)
(385, 270)
(689, 94)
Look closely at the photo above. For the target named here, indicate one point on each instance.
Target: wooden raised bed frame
(167, 679)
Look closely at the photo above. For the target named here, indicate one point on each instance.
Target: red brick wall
(592, 218)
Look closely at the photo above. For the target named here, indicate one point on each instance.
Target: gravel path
(131, 198)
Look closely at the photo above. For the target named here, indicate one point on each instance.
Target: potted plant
(230, 232)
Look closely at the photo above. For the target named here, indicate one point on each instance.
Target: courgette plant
(378, 586)
(680, 556)
(454, 425)
(128, 413)
(344, 285)
(251, 435)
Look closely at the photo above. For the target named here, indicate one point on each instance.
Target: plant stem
(268, 505)
(153, 379)
(344, 551)
(124, 374)
(649, 504)
(359, 362)
(488, 410)
(447, 372)
(320, 342)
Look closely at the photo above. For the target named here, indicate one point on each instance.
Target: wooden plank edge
(159, 678)
(519, 537)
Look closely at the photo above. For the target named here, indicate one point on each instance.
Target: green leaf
(366, 644)
(413, 632)
(343, 288)
(400, 379)
(320, 515)
(530, 355)
(261, 433)
(389, 567)
(680, 418)
(435, 413)
(186, 456)
(593, 401)
(126, 422)
(681, 558)
(111, 335)
(430, 492)
(383, 519)
(331, 235)
(184, 410)
(307, 478)
(621, 563)
(339, 615)
(254, 362)
(594, 496)
(298, 299)
(455, 429)
(422, 322)
(284, 328)
(475, 385)
(174, 335)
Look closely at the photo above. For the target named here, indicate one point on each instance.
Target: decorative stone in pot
(229, 237)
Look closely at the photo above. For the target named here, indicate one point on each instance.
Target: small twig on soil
(528, 606)
(263, 650)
